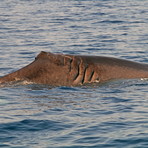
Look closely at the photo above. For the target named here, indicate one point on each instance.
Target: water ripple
(109, 115)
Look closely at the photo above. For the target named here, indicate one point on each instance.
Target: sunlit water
(38, 116)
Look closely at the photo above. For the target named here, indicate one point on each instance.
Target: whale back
(60, 69)
(110, 61)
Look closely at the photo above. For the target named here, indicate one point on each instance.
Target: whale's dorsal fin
(43, 55)
(58, 59)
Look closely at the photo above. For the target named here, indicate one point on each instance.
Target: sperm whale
(75, 70)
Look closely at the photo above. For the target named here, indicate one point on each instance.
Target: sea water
(39, 116)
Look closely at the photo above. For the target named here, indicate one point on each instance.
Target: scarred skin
(75, 70)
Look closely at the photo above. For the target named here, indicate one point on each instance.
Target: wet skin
(74, 70)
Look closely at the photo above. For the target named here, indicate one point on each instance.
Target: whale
(57, 69)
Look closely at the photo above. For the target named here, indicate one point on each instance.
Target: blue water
(107, 116)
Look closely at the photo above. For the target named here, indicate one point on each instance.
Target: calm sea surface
(113, 115)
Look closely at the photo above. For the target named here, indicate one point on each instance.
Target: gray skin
(75, 70)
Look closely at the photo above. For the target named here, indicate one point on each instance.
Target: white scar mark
(97, 81)
(17, 79)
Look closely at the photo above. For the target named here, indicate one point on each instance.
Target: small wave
(16, 83)
(2, 101)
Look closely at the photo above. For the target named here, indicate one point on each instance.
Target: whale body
(75, 70)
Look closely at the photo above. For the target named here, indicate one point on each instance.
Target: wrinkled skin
(73, 70)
